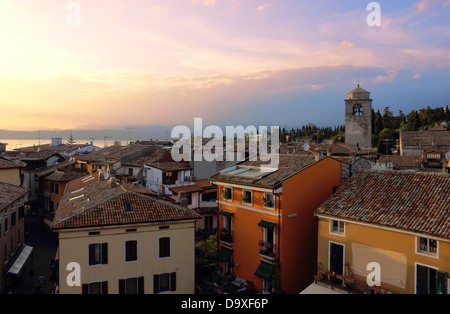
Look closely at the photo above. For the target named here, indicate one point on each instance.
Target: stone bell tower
(358, 119)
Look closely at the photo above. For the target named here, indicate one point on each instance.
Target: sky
(99, 64)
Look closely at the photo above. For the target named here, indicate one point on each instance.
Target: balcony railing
(267, 249)
(226, 236)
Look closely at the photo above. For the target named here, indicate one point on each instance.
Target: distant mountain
(155, 132)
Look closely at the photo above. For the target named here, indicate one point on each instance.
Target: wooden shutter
(85, 288)
(141, 285)
(441, 282)
(91, 254)
(173, 281)
(421, 280)
(104, 253)
(121, 286)
(104, 287)
(155, 283)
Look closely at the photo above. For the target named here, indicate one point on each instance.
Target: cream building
(123, 242)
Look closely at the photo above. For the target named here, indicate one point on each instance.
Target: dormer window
(128, 206)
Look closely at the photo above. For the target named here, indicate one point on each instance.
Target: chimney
(329, 151)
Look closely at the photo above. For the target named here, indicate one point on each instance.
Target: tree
(71, 141)
(206, 252)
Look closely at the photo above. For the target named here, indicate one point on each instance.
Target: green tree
(71, 141)
(206, 252)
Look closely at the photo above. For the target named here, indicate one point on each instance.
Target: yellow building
(386, 232)
(10, 172)
(122, 241)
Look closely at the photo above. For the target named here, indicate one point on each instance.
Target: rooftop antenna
(358, 82)
(104, 140)
(39, 138)
(129, 129)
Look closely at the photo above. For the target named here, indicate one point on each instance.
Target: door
(336, 261)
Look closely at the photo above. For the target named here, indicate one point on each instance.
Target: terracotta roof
(187, 188)
(60, 176)
(10, 193)
(289, 164)
(118, 152)
(408, 201)
(160, 155)
(6, 164)
(101, 203)
(425, 138)
(400, 161)
(169, 166)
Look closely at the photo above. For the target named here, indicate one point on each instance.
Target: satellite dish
(447, 156)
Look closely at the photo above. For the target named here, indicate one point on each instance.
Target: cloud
(416, 76)
(204, 2)
(389, 77)
(263, 7)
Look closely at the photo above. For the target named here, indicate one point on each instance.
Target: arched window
(358, 110)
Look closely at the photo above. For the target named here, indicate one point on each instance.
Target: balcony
(267, 249)
(226, 236)
(349, 284)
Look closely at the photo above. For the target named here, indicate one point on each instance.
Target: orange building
(267, 230)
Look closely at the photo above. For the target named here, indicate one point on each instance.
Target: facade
(267, 229)
(397, 219)
(358, 119)
(12, 237)
(124, 242)
(11, 172)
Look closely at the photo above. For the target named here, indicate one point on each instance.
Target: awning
(266, 224)
(224, 254)
(16, 268)
(225, 213)
(315, 288)
(264, 271)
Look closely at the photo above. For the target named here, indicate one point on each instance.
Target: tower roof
(358, 93)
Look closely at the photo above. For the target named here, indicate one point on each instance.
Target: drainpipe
(279, 233)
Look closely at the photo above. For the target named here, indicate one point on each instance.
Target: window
(246, 197)
(169, 177)
(132, 285)
(131, 251)
(269, 200)
(52, 188)
(164, 247)
(227, 194)
(6, 224)
(209, 197)
(209, 220)
(337, 227)
(164, 282)
(128, 206)
(430, 280)
(98, 254)
(98, 287)
(56, 189)
(13, 219)
(427, 246)
(358, 110)
(130, 171)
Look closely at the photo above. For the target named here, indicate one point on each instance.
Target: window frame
(427, 252)
(169, 248)
(133, 254)
(251, 197)
(337, 232)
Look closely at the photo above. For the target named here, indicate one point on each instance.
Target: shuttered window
(131, 251)
(164, 282)
(98, 253)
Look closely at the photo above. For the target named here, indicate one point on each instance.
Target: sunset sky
(249, 62)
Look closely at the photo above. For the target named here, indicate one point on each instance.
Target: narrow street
(44, 249)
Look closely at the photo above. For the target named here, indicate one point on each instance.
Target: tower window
(358, 110)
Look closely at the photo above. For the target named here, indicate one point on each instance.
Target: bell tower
(358, 119)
